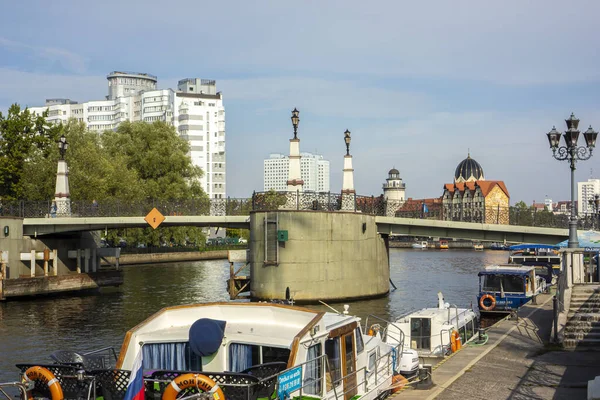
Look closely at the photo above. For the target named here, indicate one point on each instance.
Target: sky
(419, 84)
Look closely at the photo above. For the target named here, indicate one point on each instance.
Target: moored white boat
(420, 245)
(434, 332)
(247, 351)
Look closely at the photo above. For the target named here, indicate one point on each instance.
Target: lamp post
(348, 193)
(295, 121)
(572, 153)
(63, 145)
(347, 140)
(595, 206)
(62, 202)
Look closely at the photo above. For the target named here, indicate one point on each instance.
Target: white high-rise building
(195, 109)
(314, 171)
(586, 192)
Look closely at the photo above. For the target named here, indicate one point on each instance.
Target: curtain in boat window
(360, 345)
(240, 357)
(170, 356)
(334, 373)
(312, 372)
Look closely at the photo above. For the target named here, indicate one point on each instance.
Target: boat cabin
(323, 354)
(507, 287)
(429, 331)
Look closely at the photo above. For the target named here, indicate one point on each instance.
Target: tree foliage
(23, 137)
(138, 161)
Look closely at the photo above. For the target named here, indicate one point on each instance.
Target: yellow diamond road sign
(154, 218)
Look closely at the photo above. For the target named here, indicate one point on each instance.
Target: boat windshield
(506, 283)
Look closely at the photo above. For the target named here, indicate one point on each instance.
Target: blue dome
(468, 170)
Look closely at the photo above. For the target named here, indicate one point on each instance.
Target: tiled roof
(486, 186)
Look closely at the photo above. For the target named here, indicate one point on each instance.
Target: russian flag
(135, 387)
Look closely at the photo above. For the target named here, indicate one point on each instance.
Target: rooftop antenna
(591, 173)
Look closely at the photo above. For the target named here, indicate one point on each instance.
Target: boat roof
(533, 246)
(259, 323)
(506, 270)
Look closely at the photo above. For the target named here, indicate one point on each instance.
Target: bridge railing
(119, 208)
(316, 201)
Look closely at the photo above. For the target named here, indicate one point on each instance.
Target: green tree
(520, 214)
(159, 157)
(93, 175)
(23, 137)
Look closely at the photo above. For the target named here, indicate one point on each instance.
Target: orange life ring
(398, 383)
(38, 373)
(482, 302)
(192, 380)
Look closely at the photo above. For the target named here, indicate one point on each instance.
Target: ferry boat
(505, 288)
(444, 244)
(436, 332)
(420, 245)
(522, 253)
(234, 351)
(478, 246)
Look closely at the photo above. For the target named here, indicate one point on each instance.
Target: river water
(32, 329)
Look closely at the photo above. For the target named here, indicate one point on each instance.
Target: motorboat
(507, 287)
(420, 245)
(478, 246)
(435, 332)
(236, 351)
(444, 244)
(499, 246)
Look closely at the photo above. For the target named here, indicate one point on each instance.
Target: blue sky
(417, 84)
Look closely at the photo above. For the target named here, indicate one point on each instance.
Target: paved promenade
(516, 363)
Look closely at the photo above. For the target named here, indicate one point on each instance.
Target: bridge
(235, 213)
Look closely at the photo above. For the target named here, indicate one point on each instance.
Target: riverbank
(151, 258)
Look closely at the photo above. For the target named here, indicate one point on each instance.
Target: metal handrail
(19, 385)
(110, 350)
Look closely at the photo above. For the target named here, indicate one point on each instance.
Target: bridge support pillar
(318, 255)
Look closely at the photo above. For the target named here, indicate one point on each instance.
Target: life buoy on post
(38, 373)
(492, 302)
(192, 380)
(454, 341)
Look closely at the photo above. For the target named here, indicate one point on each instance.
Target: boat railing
(108, 355)
(19, 387)
(400, 340)
(362, 377)
(455, 318)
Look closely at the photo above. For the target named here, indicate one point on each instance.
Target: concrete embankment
(151, 258)
(516, 363)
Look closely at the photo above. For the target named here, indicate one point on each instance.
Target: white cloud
(69, 60)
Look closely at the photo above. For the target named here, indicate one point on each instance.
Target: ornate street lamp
(347, 139)
(295, 121)
(572, 153)
(63, 145)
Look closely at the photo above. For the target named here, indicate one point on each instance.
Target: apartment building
(195, 109)
(314, 171)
